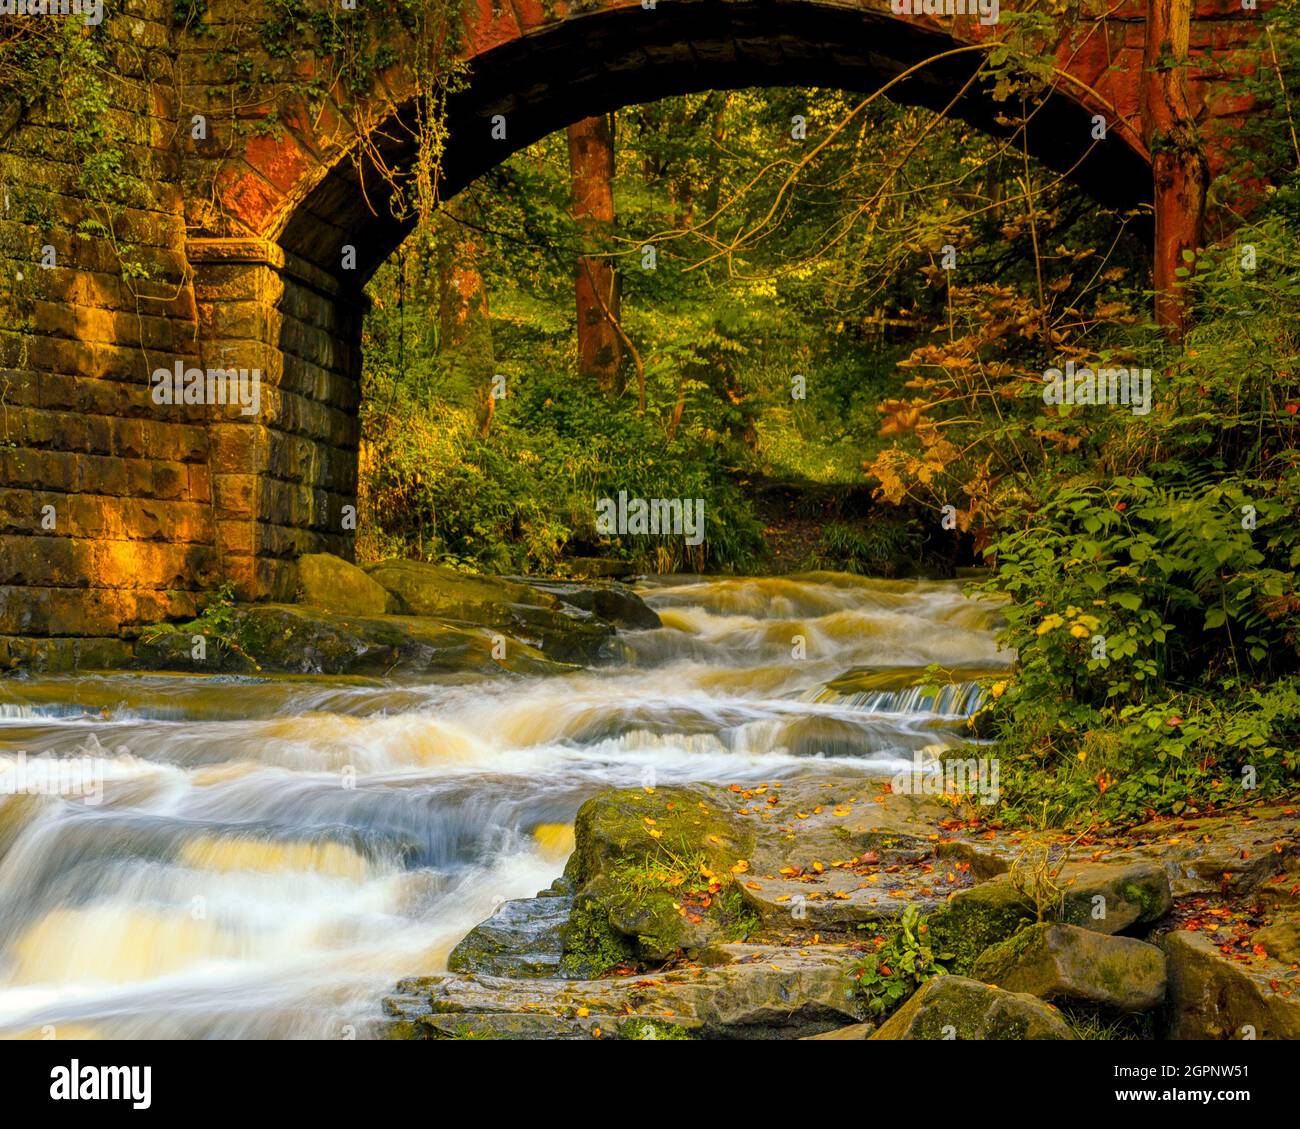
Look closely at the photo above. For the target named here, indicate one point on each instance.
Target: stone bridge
(243, 190)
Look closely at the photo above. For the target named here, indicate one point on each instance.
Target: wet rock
(535, 617)
(301, 640)
(1281, 940)
(853, 1033)
(677, 870)
(1254, 852)
(654, 873)
(560, 635)
(1215, 996)
(955, 1007)
(748, 992)
(613, 603)
(329, 582)
(522, 938)
(1067, 963)
(834, 856)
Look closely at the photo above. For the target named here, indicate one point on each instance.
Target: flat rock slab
(1067, 963)
(1241, 852)
(853, 1033)
(1218, 995)
(752, 991)
(953, 1007)
(834, 854)
(1254, 851)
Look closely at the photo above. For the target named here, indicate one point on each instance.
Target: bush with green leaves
(520, 499)
(902, 962)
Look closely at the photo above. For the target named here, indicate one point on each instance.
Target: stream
(238, 857)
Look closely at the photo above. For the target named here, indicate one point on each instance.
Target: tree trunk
(1180, 172)
(596, 283)
(718, 137)
(463, 319)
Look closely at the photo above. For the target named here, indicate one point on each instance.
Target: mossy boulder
(1068, 964)
(1104, 897)
(1111, 897)
(420, 588)
(953, 1007)
(517, 609)
(329, 582)
(977, 918)
(177, 648)
(653, 869)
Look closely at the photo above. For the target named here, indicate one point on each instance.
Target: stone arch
(281, 486)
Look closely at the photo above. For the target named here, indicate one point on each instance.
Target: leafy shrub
(881, 547)
(902, 962)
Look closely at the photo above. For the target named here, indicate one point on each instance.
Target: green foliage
(881, 547)
(525, 496)
(1172, 752)
(1097, 1024)
(901, 964)
(1120, 581)
(219, 622)
(62, 67)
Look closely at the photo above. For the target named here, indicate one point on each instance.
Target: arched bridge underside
(241, 232)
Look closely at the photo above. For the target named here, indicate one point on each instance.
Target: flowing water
(264, 857)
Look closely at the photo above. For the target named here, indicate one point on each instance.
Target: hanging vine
(339, 65)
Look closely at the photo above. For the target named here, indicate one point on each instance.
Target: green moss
(1145, 898)
(975, 920)
(994, 961)
(655, 869)
(592, 946)
(652, 1029)
(969, 1015)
